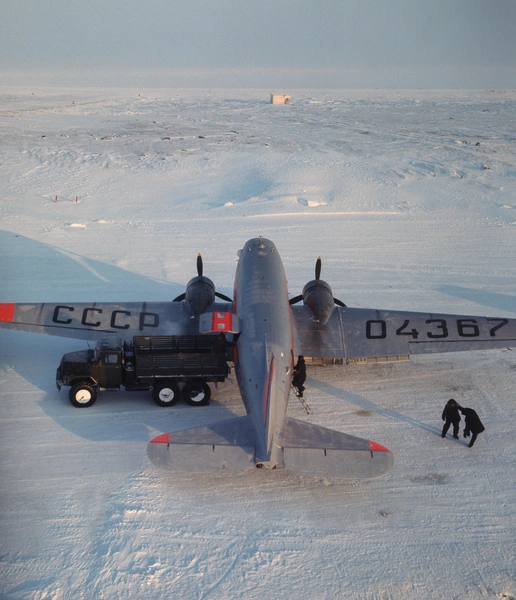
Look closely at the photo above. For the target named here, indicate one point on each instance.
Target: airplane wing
(356, 335)
(91, 321)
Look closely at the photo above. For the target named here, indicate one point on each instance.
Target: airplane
(269, 330)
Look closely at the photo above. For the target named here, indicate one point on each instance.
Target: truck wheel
(82, 394)
(165, 394)
(197, 393)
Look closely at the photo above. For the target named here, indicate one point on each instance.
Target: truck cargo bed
(174, 344)
(178, 365)
(178, 356)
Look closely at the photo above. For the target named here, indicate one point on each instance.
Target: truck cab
(87, 371)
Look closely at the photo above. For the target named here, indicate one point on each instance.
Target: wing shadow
(120, 416)
(31, 271)
(371, 406)
(502, 302)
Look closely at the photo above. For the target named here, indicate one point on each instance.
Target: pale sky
(469, 39)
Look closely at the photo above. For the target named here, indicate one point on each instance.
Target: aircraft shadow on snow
(30, 269)
(482, 297)
(364, 404)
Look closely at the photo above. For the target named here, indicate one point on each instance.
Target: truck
(170, 366)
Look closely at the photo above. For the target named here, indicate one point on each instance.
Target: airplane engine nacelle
(318, 298)
(200, 294)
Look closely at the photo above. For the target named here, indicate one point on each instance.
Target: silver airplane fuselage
(264, 350)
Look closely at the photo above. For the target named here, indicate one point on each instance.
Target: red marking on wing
(377, 447)
(161, 439)
(7, 312)
(222, 321)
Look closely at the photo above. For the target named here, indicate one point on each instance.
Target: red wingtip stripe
(161, 439)
(7, 313)
(377, 447)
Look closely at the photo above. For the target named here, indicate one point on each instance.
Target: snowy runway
(410, 199)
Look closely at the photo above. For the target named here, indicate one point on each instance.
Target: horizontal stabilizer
(222, 447)
(313, 451)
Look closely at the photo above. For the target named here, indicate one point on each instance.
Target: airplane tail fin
(222, 447)
(313, 451)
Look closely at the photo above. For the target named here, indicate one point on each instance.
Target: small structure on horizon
(280, 99)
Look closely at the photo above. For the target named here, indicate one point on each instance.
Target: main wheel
(165, 394)
(197, 393)
(82, 394)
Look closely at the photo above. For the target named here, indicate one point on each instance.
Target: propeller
(318, 264)
(201, 280)
(295, 299)
(317, 282)
(223, 297)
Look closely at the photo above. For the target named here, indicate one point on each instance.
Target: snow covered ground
(410, 199)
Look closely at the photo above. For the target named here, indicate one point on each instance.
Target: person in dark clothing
(299, 376)
(219, 345)
(451, 416)
(473, 424)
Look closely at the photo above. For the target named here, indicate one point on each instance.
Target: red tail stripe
(7, 312)
(161, 439)
(377, 447)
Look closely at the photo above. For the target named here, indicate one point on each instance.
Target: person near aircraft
(451, 416)
(219, 345)
(299, 376)
(473, 426)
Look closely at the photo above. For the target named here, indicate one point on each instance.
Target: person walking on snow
(473, 424)
(451, 416)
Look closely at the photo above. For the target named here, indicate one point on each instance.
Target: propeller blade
(179, 298)
(199, 265)
(318, 268)
(222, 297)
(339, 303)
(295, 300)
